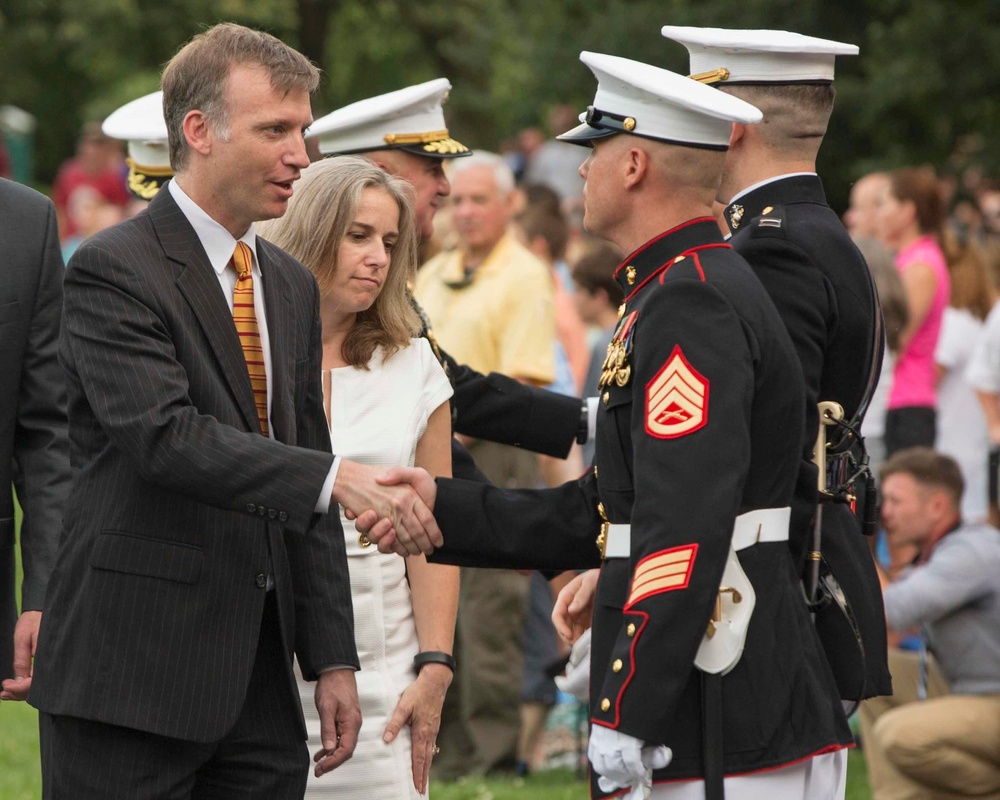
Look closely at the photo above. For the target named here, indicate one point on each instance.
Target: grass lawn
(20, 776)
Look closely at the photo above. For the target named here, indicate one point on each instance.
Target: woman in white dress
(387, 403)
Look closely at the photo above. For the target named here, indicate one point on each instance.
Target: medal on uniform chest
(616, 368)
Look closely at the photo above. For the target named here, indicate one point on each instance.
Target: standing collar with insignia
(637, 268)
(779, 192)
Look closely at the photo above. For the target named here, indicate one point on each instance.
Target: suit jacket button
(282, 516)
(251, 508)
(261, 580)
(605, 704)
(617, 666)
(261, 511)
(630, 630)
(272, 513)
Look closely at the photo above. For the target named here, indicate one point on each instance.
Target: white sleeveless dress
(377, 417)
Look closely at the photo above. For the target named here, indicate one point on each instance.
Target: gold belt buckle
(602, 537)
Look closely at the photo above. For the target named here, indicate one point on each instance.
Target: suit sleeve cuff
(323, 501)
(332, 667)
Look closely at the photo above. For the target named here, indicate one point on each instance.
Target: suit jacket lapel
(275, 300)
(199, 284)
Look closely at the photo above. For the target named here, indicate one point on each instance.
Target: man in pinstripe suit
(197, 555)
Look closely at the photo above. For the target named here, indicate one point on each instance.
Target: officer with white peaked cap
(706, 673)
(405, 133)
(777, 211)
(140, 123)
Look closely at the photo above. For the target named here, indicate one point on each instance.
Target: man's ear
(636, 166)
(198, 132)
(736, 135)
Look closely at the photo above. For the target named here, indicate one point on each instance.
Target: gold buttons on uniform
(364, 541)
(630, 274)
(630, 630)
(617, 666)
(605, 704)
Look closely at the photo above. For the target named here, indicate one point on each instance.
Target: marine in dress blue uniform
(700, 423)
(820, 284)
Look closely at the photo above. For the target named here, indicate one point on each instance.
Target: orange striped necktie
(246, 326)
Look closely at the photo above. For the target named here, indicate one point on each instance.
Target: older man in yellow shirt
(492, 307)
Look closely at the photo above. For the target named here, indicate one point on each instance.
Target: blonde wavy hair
(319, 215)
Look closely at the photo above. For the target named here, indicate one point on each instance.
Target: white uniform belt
(760, 525)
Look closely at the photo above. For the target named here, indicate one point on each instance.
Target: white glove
(577, 678)
(623, 762)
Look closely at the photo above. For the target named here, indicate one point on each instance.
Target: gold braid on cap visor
(144, 182)
(432, 141)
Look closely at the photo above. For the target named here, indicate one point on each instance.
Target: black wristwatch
(433, 657)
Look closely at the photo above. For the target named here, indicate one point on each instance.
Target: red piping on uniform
(631, 660)
(830, 748)
(651, 242)
(661, 271)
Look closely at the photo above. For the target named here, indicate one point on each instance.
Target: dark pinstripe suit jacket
(178, 506)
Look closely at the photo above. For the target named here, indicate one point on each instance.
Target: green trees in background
(924, 90)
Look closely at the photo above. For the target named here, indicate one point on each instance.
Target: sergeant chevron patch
(676, 399)
(665, 571)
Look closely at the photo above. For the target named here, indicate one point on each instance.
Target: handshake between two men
(393, 507)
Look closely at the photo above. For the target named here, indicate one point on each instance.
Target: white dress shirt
(219, 245)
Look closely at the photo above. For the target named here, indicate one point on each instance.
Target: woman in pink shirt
(910, 220)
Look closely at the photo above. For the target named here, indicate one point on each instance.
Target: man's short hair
(197, 77)
(794, 114)
(927, 467)
(550, 225)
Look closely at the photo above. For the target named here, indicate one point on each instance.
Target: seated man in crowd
(938, 735)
